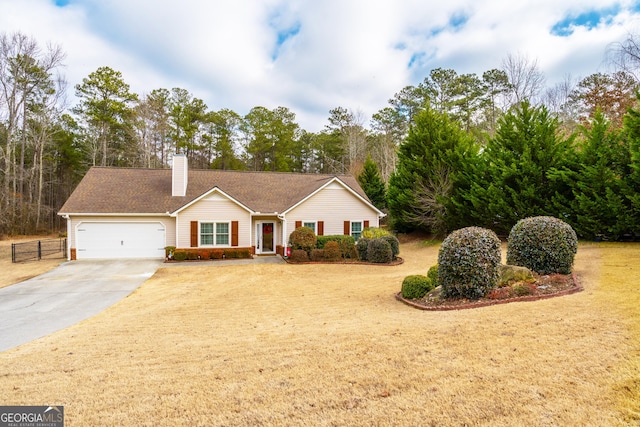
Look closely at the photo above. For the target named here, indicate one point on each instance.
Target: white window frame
(215, 234)
(359, 232)
(315, 225)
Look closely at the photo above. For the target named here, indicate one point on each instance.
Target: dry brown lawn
(316, 345)
(18, 272)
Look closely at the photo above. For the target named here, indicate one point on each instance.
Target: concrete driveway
(66, 295)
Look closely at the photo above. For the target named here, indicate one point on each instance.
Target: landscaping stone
(514, 273)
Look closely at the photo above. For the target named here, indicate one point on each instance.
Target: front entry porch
(267, 235)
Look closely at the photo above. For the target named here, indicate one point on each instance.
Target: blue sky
(312, 56)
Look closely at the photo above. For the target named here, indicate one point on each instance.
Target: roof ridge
(128, 168)
(327, 175)
(269, 172)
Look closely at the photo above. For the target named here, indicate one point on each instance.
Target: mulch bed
(545, 286)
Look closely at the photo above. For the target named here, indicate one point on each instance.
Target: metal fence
(35, 250)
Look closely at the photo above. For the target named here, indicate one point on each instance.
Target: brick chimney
(179, 175)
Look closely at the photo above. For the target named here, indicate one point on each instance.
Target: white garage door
(120, 240)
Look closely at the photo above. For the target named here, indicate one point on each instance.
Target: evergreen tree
(600, 205)
(632, 178)
(429, 172)
(525, 171)
(105, 110)
(372, 183)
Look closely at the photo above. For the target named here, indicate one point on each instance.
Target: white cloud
(349, 53)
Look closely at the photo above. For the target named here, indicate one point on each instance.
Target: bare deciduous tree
(625, 55)
(558, 100)
(29, 85)
(525, 78)
(349, 126)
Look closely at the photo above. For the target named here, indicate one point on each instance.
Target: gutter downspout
(68, 236)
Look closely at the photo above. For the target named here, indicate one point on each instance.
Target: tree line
(446, 180)
(47, 145)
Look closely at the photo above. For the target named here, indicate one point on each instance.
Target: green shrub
(394, 243)
(332, 251)
(323, 240)
(523, 289)
(230, 254)
(433, 274)
(362, 246)
(374, 233)
(348, 250)
(317, 255)
(237, 253)
(179, 255)
(416, 286)
(216, 254)
(303, 238)
(299, 255)
(346, 244)
(192, 255)
(468, 263)
(543, 244)
(379, 251)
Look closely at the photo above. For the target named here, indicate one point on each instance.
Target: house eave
(119, 214)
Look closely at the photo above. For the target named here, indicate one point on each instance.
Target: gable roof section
(341, 183)
(105, 190)
(208, 194)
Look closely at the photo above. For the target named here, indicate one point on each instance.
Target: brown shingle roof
(148, 191)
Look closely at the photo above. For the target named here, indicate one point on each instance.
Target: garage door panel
(120, 240)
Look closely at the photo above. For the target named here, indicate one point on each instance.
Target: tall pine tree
(372, 183)
(430, 162)
(524, 171)
(632, 179)
(600, 205)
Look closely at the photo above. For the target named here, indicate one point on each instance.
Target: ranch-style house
(137, 213)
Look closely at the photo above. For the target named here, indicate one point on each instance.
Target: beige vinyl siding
(334, 204)
(215, 208)
(168, 222)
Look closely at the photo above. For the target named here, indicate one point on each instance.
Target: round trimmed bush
(361, 247)
(543, 244)
(379, 251)
(469, 263)
(303, 238)
(433, 274)
(317, 255)
(416, 286)
(394, 243)
(299, 255)
(332, 251)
